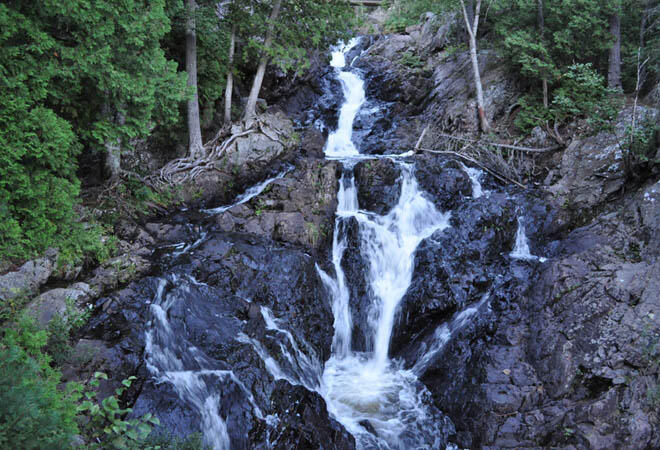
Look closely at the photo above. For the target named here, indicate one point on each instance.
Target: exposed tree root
(188, 168)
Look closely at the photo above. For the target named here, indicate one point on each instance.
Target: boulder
(378, 185)
(58, 301)
(298, 208)
(250, 157)
(27, 280)
(593, 168)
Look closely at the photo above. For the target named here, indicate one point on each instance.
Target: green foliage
(107, 422)
(580, 92)
(73, 75)
(571, 54)
(405, 13)
(166, 442)
(10, 307)
(34, 413)
(638, 143)
(59, 330)
(301, 27)
(411, 60)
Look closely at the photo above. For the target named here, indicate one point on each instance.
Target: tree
(250, 107)
(541, 24)
(230, 77)
(472, 28)
(287, 31)
(74, 76)
(195, 146)
(614, 71)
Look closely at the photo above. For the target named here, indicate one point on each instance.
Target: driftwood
(421, 138)
(500, 177)
(507, 146)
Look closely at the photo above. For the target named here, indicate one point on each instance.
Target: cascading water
(381, 404)
(339, 142)
(521, 247)
(172, 359)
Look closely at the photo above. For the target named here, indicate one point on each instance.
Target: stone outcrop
(27, 280)
(250, 157)
(593, 169)
(298, 208)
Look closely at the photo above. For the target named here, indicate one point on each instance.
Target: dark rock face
(593, 169)
(444, 180)
(356, 269)
(458, 266)
(378, 185)
(212, 296)
(304, 421)
(567, 358)
(298, 208)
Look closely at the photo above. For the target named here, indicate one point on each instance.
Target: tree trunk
(195, 146)
(541, 23)
(472, 34)
(469, 8)
(112, 159)
(230, 77)
(614, 72)
(251, 106)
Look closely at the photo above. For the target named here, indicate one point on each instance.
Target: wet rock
(233, 277)
(390, 77)
(27, 280)
(297, 209)
(313, 143)
(378, 185)
(563, 362)
(303, 421)
(444, 180)
(116, 272)
(356, 270)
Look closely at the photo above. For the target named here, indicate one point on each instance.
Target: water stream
(378, 400)
(380, 403)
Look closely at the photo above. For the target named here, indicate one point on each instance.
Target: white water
(521, 247)
(302, 367)
(247, 195)
(340, 143)
(443, 334)
(475, 178)
(368, 386)
(173, 360)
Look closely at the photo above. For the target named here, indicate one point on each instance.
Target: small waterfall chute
(521, 247)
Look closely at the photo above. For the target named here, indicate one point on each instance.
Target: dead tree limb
(512, 147)
(474, 161)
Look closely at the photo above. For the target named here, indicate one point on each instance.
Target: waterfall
(475, 179)
(366, 390)
(339, 142)
(521, 248)
(248, 194)
(382, 404)
(171, 359)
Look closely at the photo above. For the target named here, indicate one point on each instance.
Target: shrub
(34, 413)
(581, 92)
